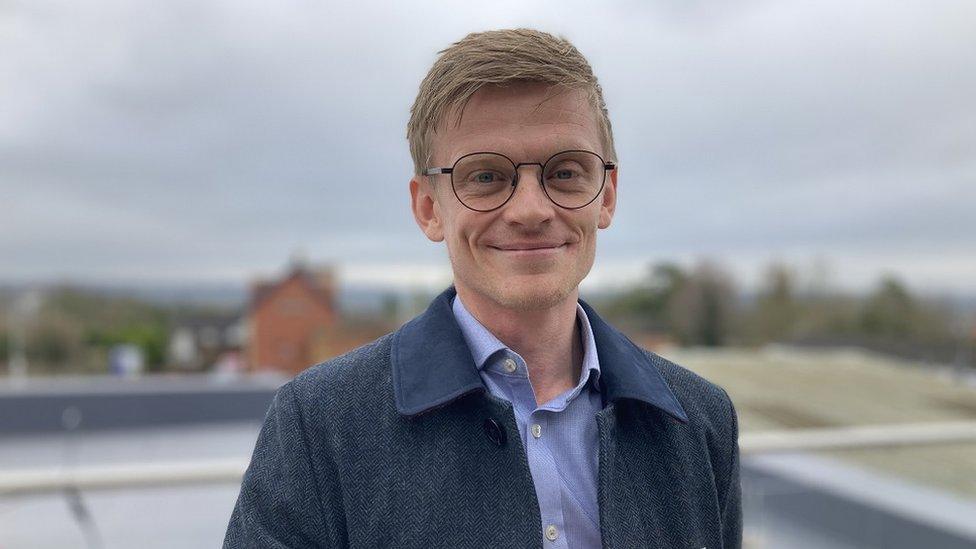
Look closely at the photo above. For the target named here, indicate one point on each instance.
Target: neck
(548, 339)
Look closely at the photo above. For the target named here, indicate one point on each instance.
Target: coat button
(495, 432)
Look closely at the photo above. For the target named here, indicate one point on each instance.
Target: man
(508, 414)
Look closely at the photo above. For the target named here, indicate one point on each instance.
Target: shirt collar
(483, 344)
(433, 364)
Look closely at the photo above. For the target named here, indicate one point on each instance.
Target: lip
(530, 248)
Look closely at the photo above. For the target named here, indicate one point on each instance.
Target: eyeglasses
(485, 181)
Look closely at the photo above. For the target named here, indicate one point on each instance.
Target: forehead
(527, 121)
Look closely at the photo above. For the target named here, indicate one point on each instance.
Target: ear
(426, 211)
(609, 202)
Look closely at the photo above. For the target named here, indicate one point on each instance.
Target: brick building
(290, 319)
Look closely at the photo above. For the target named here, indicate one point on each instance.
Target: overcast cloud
(209, 140)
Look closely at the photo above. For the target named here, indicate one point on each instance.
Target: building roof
(320, 284)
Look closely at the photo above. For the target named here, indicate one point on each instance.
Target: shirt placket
(542, 464)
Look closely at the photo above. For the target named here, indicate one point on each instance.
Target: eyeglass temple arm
(436, 171)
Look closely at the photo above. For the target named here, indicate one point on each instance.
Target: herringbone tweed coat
(398, 444)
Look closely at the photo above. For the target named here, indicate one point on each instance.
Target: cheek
(589, 224)
(458, 234)
(447, 218)
(468, 228)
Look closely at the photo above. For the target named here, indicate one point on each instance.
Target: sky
(212, 140)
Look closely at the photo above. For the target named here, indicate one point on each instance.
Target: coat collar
(432, 365)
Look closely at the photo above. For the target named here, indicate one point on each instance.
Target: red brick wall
(284, 324)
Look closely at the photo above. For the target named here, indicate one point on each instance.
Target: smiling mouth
(530, 248)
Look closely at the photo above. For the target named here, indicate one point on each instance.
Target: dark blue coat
(398, 444)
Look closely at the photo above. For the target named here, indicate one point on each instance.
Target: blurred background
(200, 199)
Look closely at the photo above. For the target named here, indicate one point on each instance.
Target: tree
(889, 311)
(702, 310)
(776, 308)
(647, 306)
(150, 337)
(53, 342)
(4, 347)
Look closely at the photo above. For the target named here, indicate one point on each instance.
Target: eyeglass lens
(484, 181)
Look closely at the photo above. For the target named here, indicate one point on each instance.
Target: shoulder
(357, 379)
(712, 418)
(707, 404)
(714, 421)
(691, 389)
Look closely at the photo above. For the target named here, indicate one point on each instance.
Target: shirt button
(536, 430)
(551, 532)
(510, 365)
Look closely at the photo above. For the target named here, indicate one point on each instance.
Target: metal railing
(32, 481)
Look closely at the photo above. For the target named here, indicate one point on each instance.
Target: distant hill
(352, 298)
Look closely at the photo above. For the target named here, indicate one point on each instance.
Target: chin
(531, 295)
(521, 289)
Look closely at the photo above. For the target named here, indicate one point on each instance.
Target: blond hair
(498, 57)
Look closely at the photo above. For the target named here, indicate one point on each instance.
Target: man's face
(530, 253)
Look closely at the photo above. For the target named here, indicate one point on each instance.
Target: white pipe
(136, 475)
(124, 475)
(847, 438)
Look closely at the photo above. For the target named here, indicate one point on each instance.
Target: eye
(485, 177)
(566, 172)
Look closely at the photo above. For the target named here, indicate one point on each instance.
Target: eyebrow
(563, 146)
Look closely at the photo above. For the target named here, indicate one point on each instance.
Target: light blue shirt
(560, 437)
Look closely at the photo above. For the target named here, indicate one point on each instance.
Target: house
(199, 340)
(290, 318)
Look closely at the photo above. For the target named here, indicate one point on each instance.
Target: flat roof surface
(787, 388)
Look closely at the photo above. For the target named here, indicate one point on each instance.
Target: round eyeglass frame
(607, 166)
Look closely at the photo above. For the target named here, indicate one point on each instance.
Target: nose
(529, 206)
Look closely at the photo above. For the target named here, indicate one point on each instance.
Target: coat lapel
(432, 365)
(645, 459)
